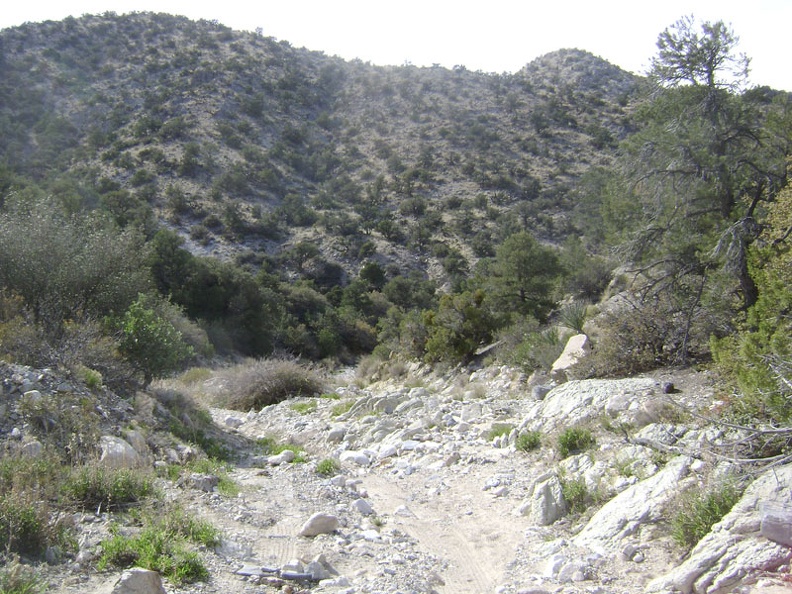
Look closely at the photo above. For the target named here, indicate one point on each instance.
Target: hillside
(240, 142)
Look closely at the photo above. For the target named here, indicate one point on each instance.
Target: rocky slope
(425, 499)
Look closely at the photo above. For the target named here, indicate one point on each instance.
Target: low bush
(530, 440)
(328, 467)
(699, 509)
(574, 440)
(162, 545)
(98, 488)
(16, 578)
(257, 384)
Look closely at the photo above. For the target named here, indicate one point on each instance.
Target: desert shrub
(573, 316)
(16, 578)
(24, 526)
(193, 424)
(699, 509)
(162, 545)
(67, 422)
(150, 341)
(643, 335)
(499, 430)
(530, 440)
(96, 487)
(256, 384)
(328, 467)
(528, 346)
(573, 440)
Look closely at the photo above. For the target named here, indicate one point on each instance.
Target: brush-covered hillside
(181, 185)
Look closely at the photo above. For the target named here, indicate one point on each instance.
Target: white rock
(387, 451)
(139, 581)
(735, 546)
(357, 457)
(577, 348)
(117, 453)
(285, 457)
(623, 515)
(319, 523)
(546, 503)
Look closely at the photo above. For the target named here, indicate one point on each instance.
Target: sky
(488, 35)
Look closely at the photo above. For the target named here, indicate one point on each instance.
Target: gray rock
(576, 349)
(546, 503)
(233, 422)
(117, 453)
(203, 482)
(139, 581)
(319, 523)
(623, 515)
(363, 507)
(31, 449)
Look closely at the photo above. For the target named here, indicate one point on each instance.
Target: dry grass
(256, 384)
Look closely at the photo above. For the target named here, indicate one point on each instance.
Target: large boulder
(577, 401)
(576, 349)
(139, 581)
(118, 453)
(643, 503)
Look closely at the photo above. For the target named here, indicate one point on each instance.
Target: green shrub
(268, 446)
(304, 408)
(257, 384)
(574, 440)
(24, 526)
(341, 408)
(499, 430)
(162, 545)
(151, 341)
(16, 578)
(327, 467)
(576, 494)
(698, 510)
(98, 488)
(530, 440)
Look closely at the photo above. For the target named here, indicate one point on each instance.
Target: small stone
(285, 457)
(233, 422)
(319, 523)
(363, 507)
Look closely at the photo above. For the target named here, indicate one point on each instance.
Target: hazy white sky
(491, 35)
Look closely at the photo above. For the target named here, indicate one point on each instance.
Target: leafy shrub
(161, 545)
(304, 408)
(96, 487)
(698, 510)
(499, 430)
(150, 341)
(573, 440)
(530, 440)
(25, 526)
(577, 495)
(327, 467)
(254, 385)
